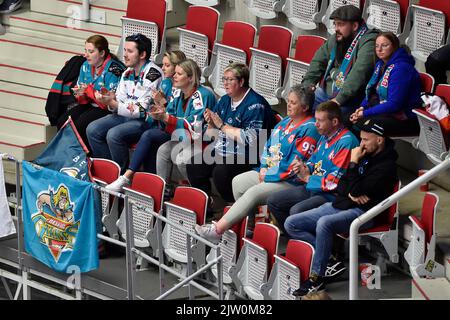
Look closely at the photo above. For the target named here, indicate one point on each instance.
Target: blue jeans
(284, 203)
(147, 148)
(111, 136)
(318, 227)
(346, 109)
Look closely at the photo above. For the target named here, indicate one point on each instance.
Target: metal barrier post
(372, 213)
(160, 255)
(189, 265)
(85, 12)
(129, 245)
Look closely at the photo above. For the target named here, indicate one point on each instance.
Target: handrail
(372, 213)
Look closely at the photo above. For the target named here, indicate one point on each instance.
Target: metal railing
(189, 279)
(85, 10)
(372, 213)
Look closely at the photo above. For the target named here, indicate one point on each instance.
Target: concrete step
(48, 27)
(23, 98)
(28, 73)
(48, 52)
(25, 124)
(108, 11)
(21, 148)
(430, 289)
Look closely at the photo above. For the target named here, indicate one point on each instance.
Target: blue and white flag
(59, 214)
(66, 153)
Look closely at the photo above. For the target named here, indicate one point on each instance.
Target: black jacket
(60, 97)
(374, 176)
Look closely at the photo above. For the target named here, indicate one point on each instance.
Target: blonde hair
(175, 56)
(192, 70)
(62, 192)
(240, 71)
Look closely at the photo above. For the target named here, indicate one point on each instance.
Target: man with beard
(343, 65)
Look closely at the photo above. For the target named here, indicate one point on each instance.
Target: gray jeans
(250, 193)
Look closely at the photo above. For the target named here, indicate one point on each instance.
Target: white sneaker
(118, 185)
(208, 232)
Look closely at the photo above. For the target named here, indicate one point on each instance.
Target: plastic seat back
(385, 15)
(301, 13)
(427, 82)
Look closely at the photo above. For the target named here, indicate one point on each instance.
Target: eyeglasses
(382, 46)
(228, 80)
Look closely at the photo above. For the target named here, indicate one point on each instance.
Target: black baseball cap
(370, 125)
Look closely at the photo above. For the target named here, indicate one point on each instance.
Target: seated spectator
(183, 113)
(322, 172)
(101, 71)
(238, 121)
(438, 63)
(394, 89)
(343, 64)
(370, 179)
(110, 136)
(294, 137)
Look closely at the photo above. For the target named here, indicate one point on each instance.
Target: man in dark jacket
(370, 179)
(343, 65)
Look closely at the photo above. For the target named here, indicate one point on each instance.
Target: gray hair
(240, 71)
(305, 95)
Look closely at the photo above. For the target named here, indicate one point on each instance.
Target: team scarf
(379, 84)
(347, 63)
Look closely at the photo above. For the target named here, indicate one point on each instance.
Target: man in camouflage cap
(343, 65)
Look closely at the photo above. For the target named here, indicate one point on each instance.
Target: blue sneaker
(312, 285)
(9, 6)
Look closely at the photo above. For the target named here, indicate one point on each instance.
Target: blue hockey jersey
(285, 144)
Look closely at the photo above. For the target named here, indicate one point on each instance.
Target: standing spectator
(110, 136)
(438, 63)
(370, 179)
(238, 120)
(294, 137)
(101, 71)
(343, 64)
(322, 172)
(394, 89)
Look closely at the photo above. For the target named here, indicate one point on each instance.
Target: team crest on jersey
(291, 138)
(54, 222)
(275, 156)
(318, 171)
(197, 100)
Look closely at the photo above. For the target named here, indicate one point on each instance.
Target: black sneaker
(334, 269)
(8, 6)
(310, 286)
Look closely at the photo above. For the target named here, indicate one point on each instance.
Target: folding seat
(297, 66)
(333, 5)
(387, 15)
(206, 3)
(301, 13)
(237, 39)
(289, 271)
(230, 247)
(385, 229)
(265, 9)
(255, 260)
(103, 172)
(145, 195)
(198, 36)
(420, 254)
(268, 61)
(430, 20)
(148, 18)
(427, 81)
(187, 208)
(432, 140)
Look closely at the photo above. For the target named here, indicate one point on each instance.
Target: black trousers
(438, 63)
(222, 174)
(82, 116)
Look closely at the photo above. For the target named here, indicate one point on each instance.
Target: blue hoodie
(403, 87)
